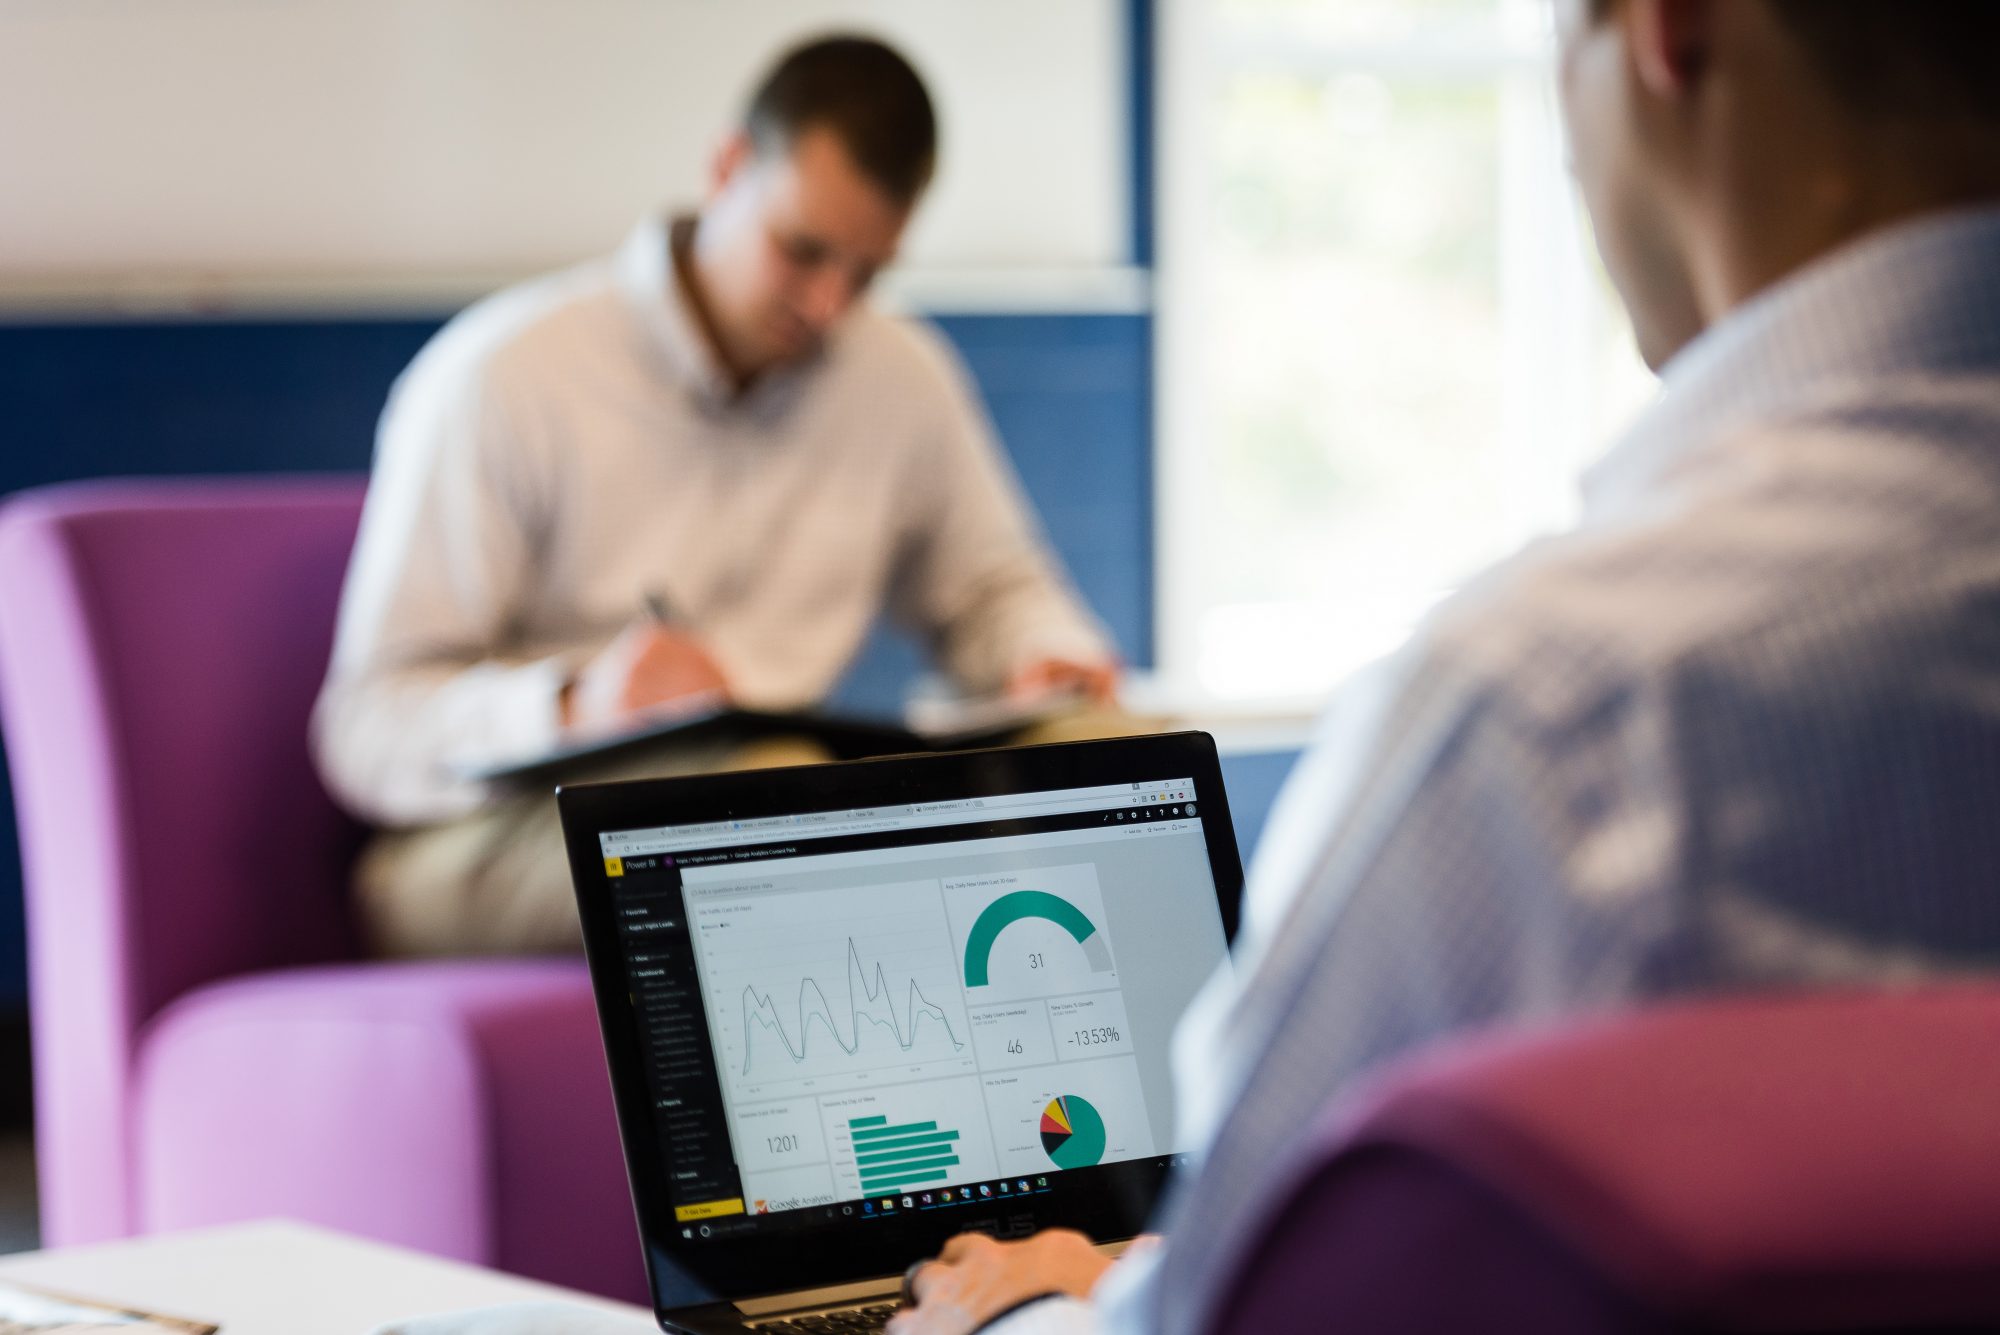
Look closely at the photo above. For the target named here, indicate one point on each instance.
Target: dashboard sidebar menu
(703, 1184)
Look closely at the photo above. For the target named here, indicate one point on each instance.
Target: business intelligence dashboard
(859, 1013)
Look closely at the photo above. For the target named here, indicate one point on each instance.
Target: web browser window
(859, 1013)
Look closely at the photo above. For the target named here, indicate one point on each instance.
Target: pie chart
(1072, 1132)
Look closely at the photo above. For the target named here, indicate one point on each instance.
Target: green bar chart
(895, 1158)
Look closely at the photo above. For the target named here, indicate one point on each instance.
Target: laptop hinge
(831, 1296)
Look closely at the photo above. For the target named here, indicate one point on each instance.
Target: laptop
(853, 1010)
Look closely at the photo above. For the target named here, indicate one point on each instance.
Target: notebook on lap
(852, 1010)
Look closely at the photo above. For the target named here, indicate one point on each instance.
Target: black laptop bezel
(1108, 1202)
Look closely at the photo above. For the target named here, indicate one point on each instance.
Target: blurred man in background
(702, 466)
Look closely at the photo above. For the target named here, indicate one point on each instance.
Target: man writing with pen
(702, 466)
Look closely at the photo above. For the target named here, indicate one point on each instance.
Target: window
(1387, 349)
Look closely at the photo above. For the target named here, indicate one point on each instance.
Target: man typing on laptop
(1678, 749)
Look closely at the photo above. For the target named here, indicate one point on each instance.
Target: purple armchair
(207, 1046)
(1827, 1163)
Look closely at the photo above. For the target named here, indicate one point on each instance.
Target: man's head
(809, 196)
(1723, 144)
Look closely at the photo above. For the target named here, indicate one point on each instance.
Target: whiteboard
(412, 141)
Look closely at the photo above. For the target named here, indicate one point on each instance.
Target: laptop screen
(848, 1016)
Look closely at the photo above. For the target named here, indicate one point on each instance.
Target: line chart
(814, 990)
(759, 1006)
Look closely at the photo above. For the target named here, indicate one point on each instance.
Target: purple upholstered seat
(1812, 1163)
(207, 1047)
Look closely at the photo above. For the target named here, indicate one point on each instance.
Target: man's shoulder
(1819, 549)
(528, 331)
(891, 345)
(1574, 624)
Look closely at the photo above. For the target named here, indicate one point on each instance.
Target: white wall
(209, 149)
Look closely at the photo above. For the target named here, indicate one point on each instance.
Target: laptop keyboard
(845, 1321)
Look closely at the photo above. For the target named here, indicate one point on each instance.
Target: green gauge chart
(1011, 908)
(1072, 1132)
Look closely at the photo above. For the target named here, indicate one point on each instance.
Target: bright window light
(1387, 350)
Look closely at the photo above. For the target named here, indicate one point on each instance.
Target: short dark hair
(1899, 57)
(866, 94)
(1904, 57)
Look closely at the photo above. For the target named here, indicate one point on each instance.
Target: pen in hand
(652, 663)
(657, 608)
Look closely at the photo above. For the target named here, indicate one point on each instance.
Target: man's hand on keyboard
(975, 1279)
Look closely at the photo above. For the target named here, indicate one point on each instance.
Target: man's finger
(965, 1245)
(922, 1276)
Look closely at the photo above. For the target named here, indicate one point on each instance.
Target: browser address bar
(824, 827)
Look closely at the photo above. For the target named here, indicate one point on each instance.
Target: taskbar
(998, 1191)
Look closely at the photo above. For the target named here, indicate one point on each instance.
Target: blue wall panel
(1071, 396)
(195, 397)
(1068, 393)
(1252, 779)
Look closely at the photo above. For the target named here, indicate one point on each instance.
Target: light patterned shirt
(1739, 729)
(568, 451)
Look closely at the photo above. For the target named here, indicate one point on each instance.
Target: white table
(279, 1278)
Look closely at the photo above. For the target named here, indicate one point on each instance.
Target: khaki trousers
(497, 882)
